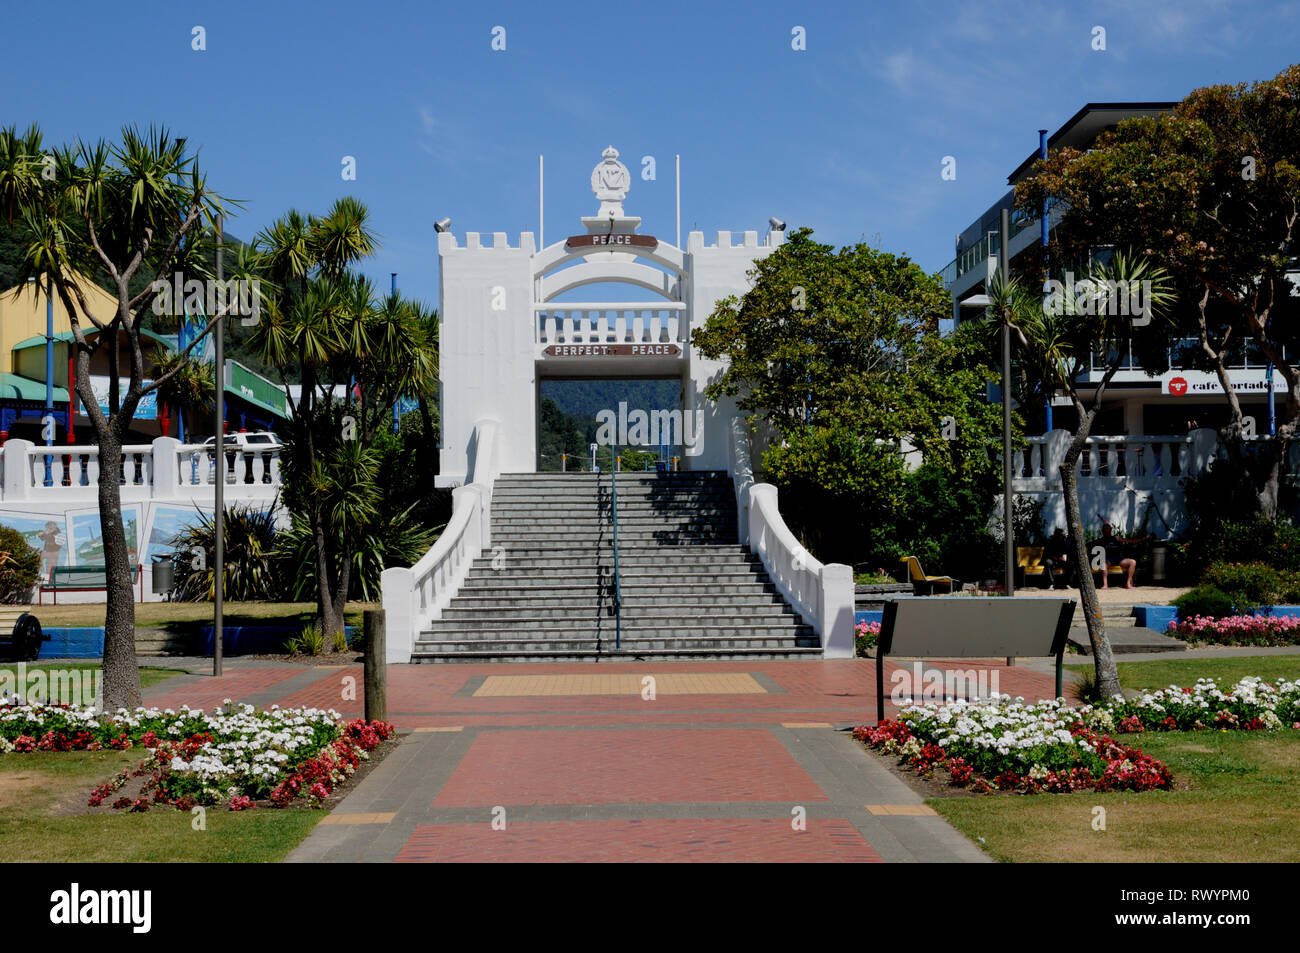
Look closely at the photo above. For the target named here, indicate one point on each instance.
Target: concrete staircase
(1126, 637)
(545, 591)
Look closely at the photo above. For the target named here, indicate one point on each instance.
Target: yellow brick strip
(442, 728)
(677, 683)
(805, 724)
(905, 810)
(359, 818)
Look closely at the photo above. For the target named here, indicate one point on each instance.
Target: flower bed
(1049, 747)
(865, 637)
(237, 756)
(1239, 630)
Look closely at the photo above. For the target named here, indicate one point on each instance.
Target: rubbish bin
(163, 575)
(1158, 554)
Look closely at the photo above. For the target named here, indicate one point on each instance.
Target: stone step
(1128, 640)
(608, 655)
(591, 628)
(630, 645)
(544, 611)
(685, 594)
(533, 619)
(574, 553)
(576, 536)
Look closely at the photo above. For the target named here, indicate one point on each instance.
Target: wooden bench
(20, 634)
(971, 627)
(85, 579)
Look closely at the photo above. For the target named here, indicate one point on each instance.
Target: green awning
(17, 387)
(65, 337)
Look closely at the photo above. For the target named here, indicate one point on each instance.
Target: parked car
(243, 441)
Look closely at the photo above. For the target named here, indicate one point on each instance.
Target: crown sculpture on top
(610, 181)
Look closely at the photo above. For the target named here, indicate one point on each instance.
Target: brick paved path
(709, 761)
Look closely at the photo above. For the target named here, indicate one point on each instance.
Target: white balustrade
(612, 324)
(821, 593)
(163, 470)
(414, 597)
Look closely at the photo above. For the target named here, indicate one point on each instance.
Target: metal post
(219, 447)
(1272, 409)
(396, 400)
(1004, 269)
(618, 586)
(375, 669)
(48, 424)
(679, 200)
(541, 203)
(1044, 235)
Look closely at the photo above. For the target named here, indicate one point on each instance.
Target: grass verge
(39, 791)
(1234, 802)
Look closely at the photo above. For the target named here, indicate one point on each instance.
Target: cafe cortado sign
(612, 350)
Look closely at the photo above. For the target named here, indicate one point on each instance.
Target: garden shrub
(1248, 584)
(20, 566)
(1206, 601)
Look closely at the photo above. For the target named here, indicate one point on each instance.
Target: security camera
(776, 223)
(442, 226)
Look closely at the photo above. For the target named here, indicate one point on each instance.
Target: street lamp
(984, 301)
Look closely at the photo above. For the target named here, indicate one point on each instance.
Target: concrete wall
(486, 350)
(715, 271)
(169, 485)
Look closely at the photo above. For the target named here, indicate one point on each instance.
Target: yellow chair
(923, 585)
(1030, 561)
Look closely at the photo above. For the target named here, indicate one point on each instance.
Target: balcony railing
(612, 324)
(165, 469)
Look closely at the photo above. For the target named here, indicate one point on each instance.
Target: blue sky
(846, 136)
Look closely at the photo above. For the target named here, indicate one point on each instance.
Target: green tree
(1210, 192)
(1056, 336)
(328, 327)
(122, 210)
(839, 352)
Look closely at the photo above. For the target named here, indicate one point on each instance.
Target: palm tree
(1056, 337)
(331, 328)
(190, 391)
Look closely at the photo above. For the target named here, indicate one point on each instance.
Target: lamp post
(219, 508)
(1004, 269)
(47, 423)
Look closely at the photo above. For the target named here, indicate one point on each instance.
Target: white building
(504, 330)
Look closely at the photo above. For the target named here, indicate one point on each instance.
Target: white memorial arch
(504, 331)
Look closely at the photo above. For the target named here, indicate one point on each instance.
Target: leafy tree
(249, 536)
(1056, 337)
(839, 352)
(1210, 192)
(20, 565)
(329, 327)
(124, 210)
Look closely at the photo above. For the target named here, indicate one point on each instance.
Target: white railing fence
(1133, 460)
(654, 324)
(165, 469)
(414, 597)
(821, 593)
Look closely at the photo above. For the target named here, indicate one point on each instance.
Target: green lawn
(1234, 798)
(1176, 671)
(148, 676)
(1235, 801)
(191, 616)
(36, 789)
